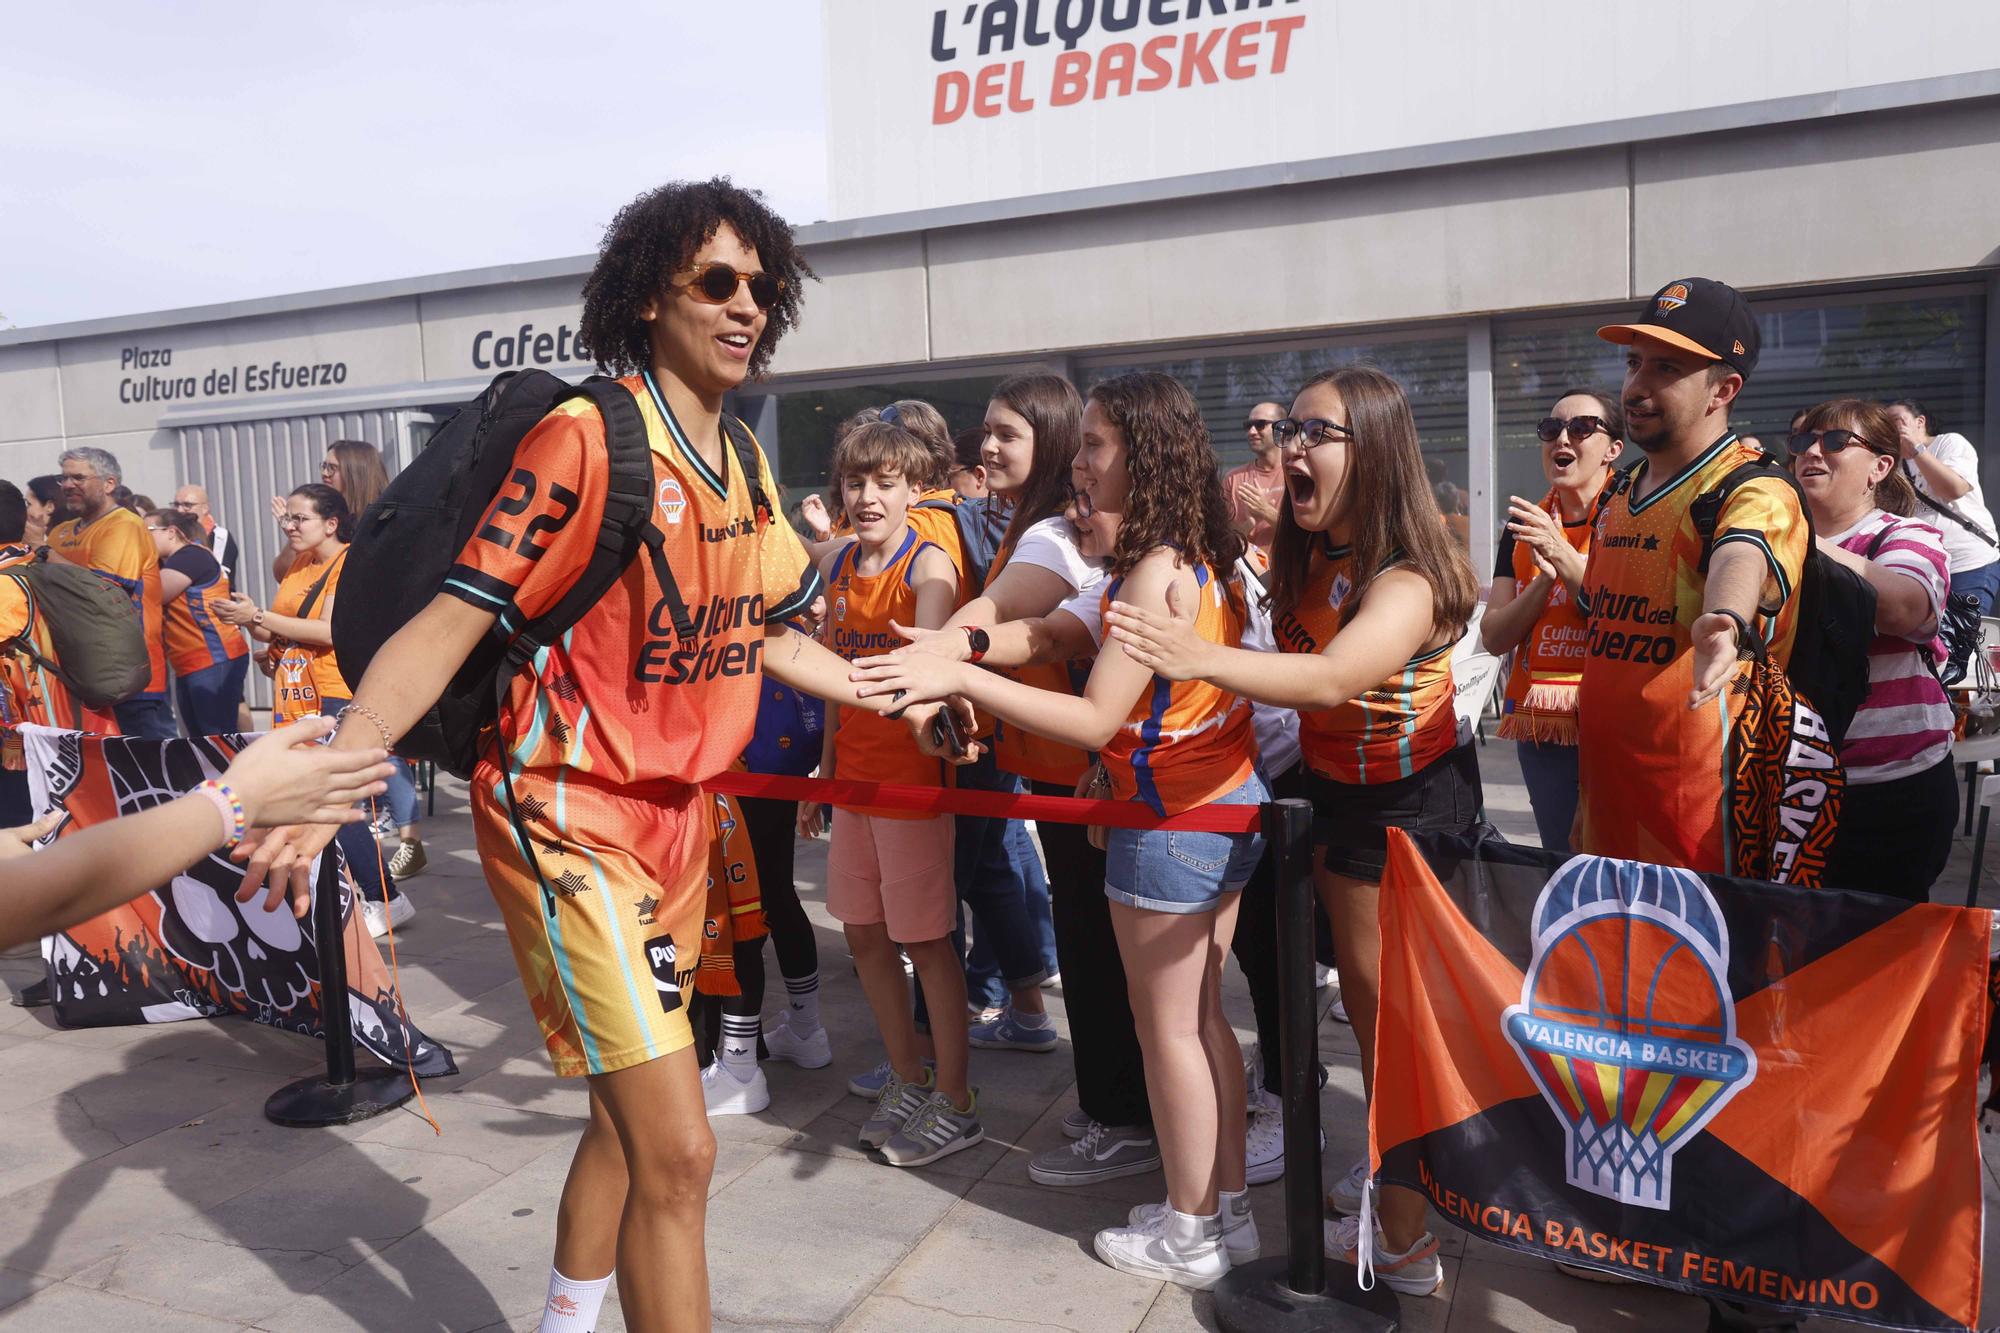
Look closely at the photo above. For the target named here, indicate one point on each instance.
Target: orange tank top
(867, 746)
(306, 674)
(1187, 742)
(1548, 665)
(1023, 752)
(1392, 731)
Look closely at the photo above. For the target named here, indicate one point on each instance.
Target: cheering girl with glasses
(1368, 594)
(1532, 605)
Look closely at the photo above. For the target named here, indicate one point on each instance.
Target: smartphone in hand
(945, 733)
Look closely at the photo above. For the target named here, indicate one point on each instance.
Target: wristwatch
(977, 642)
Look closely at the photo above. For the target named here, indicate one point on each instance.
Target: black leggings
(773, 828)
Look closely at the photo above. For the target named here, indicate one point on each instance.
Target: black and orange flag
(1724, 1086)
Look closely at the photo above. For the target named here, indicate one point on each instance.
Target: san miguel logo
(1626, 1022)
(1672, 297)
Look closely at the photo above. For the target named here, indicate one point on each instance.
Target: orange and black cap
(1701, 315)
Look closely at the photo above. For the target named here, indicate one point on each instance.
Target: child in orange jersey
(1149, 499)
(888, 872)
(1368, 594)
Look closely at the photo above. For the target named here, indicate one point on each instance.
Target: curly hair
(1176, 493)
(656, 236)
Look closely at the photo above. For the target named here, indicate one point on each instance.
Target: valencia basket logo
(1626, 1022)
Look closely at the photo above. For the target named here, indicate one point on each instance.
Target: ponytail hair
(1877, 429)
(328, 503)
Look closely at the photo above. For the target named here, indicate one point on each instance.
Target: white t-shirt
(1964, 550)
(1051, 545)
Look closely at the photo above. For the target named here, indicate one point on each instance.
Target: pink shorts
(893, 872)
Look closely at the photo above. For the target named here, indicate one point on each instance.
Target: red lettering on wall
(1072, 81)
(1114, 67)
(954, 90)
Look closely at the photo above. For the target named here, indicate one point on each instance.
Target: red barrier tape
(992, 804)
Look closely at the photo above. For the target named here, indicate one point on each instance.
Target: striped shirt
(1904, 725)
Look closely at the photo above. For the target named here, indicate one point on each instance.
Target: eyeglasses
(1830, 441)
(151, 528)
(185, 506)
(291, 520)
(1257, 423)
(1579, 428)
(1307, 434)
(716, 285)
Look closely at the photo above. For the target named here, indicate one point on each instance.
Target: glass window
(797, 432)
(1431, 371)
(1532, 368)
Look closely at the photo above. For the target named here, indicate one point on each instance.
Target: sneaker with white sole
(409, 860)
(813, 1051)
(937, 1129)
(1416, 1271)
(1007, 1033)
(896, 1103)
(1078, 1122)
(378, 921)
(727, 1094)
(1239, 1224)
(1264, 1142)
(1169, 1246)
(869, 1085)
(1345, 1196)
(1102, 1153)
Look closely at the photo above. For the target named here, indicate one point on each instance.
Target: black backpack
(408, 540)
(1836, 619)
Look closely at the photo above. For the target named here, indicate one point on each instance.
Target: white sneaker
(1345, 1196)
(1338, 1011)
(1417, 1271)
(727, 1094)
(1239, 1224)
(808, 1052)
(400, 909)
(1324, 976)
(1253, 1077)
(1264, 1148)
(1169, 1247)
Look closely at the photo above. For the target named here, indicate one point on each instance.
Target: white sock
(1032, 1021)
(739, 1045)
(803, 1003)
(572, 1306)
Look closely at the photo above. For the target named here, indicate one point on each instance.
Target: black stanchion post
(343, 1096)
(1292, 1294)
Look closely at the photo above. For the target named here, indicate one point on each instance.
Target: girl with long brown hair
(1149, 498)
(1369, 591)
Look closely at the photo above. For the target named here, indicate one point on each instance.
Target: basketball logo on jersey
(1626, 1022)
(840, 608)
(673, 500)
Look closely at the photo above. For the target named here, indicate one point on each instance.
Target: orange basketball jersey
(869, 747)
(306, 675)
(1652, 771)
(195, 639)
(622, 696)
(1023, 752)
(1392, 731)
(1187, 742)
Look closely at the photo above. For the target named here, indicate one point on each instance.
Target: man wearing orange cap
(1664, 632)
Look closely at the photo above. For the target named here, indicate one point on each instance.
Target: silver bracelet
(388, 741)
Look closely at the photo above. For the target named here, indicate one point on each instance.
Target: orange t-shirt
(1651, 769)
(306, 676)
(1187, 742)
(867, 746)
(1396, 729)
(117, 547)
(621, 696)
(1541, 689)
(196, 640)
(1023, 752)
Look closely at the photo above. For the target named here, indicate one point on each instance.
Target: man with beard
(1664, 633)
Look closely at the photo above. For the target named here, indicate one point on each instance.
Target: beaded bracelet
(235, 820)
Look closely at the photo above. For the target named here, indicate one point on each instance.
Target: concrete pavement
(141, 1187)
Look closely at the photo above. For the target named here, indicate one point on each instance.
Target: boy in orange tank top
(889, 873)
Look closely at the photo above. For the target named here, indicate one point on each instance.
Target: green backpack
(98, 635)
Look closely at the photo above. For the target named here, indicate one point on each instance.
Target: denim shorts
(1173, 870)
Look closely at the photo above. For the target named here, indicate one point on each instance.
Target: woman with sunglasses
(297, 631)
(1368, 593)
(1150, 499)
(1532, 604)
(1901, 804)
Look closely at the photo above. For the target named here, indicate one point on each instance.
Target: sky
(159, 156)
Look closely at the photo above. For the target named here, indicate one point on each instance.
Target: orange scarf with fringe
(1548, 665)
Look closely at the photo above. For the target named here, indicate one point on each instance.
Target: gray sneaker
(938, 1129)
(897, 1102)
(1103, 1153)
